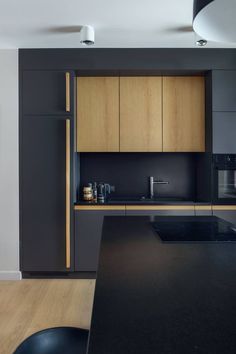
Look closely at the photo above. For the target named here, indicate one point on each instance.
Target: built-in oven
(224, 179)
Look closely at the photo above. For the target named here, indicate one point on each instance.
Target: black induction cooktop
(194, 229)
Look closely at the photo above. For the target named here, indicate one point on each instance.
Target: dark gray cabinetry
(224, 111)
(224, 90)
(88, 231)
(153, 213)
(203, 212)
(228, 215)
(45, 92)
(224, 132)
(43, 194)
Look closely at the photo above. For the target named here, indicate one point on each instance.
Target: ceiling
(122, 23)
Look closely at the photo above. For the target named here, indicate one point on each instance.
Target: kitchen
(118, 147)
(123, 130)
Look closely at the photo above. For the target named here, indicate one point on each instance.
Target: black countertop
(153, 297)
(139, 201)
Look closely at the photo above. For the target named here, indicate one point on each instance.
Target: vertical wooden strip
(67, 193)
(67, 92)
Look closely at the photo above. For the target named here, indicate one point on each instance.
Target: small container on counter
(95, 192)
(88, 193)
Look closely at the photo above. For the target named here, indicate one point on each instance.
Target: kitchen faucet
(151, 184)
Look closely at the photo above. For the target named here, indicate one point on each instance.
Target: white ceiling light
(87, 35)
(214, 20)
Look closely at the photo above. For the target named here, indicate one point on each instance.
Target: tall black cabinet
(46, 166)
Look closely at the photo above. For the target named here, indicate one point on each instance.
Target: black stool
(59, 340)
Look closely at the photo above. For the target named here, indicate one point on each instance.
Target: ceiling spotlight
(215, 20)
(201, 43)
(87, 35)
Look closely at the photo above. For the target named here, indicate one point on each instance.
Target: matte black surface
(128, 61)
(44, 92)
(153, 213)
(129, 173)
(139, 201)
(152, 297)
(43, 194)
(194, 229)
(228, 215)
(60, 340)
(204, 177)
(224, 128)
(224, 92)
(88, 233)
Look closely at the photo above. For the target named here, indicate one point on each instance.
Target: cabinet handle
(67, 193)
(67, 92)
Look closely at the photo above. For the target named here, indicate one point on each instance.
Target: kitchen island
(162, 297)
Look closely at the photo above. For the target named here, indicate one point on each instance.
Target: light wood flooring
(28, 306)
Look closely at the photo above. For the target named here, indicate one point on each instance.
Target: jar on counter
(88, 194)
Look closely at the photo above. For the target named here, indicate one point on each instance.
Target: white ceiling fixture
(214, 20)
(118, 24)
(87, 35)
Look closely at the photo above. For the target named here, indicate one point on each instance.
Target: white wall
(9, 190)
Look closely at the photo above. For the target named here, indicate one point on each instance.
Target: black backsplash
(129, 173)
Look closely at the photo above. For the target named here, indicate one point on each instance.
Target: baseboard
(58, 275)
(10, 275)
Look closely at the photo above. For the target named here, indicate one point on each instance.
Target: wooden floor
(28, 306)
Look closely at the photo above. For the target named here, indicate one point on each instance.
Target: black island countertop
(157, 297)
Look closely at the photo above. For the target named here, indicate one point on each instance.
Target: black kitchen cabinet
(224, 90)
(153, 213)
(88, 232)
(203, 212)
(224, 128)
(43, 205)
(47, 92)
(228, 215)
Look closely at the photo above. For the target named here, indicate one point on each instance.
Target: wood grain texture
(98, 114)
(99, 207)
(68, 205)
(159, 207)
(203, 207)
(67, 92)
(183, 114)
(28, 306)
(223, 207)
(140, 114)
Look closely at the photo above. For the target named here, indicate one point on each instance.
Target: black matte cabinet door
(228, 215)
(224, 132)
(153, 213)
(88, 232)
(224, 90)
(44, 92)
(43, 194)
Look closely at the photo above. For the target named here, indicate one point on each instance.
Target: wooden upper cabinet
(140, 114)
(97, 114)
(183, 114)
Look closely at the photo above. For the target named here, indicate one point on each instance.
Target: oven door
(225, 186)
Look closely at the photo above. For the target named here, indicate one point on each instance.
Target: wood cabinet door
(140, 114)
(97, 114)
(183, 114)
